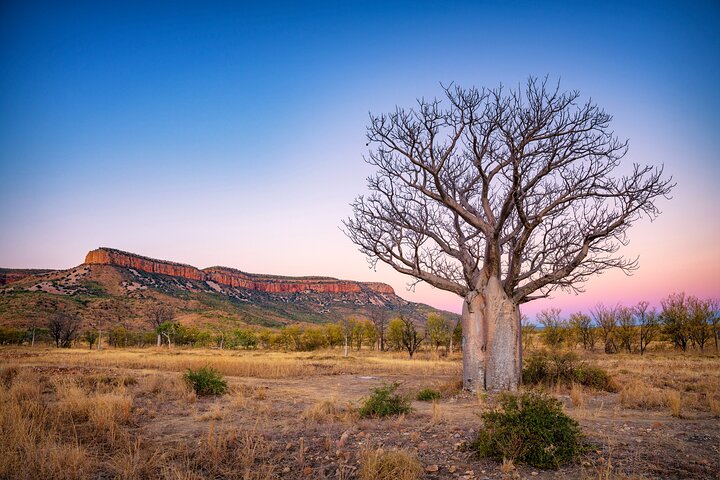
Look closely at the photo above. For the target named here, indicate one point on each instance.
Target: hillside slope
(114, 287)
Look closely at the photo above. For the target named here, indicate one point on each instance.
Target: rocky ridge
(232, 277)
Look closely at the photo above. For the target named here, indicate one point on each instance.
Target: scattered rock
(432, 468)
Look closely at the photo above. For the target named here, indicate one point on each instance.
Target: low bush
(529, 428)
(564, 369)
(206, 381)
(384, 401)
(428, 395)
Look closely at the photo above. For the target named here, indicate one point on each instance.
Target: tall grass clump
(395, 464)
(529, 428)
(384, 401)
(206, 381)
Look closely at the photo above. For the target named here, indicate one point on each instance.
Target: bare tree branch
(524, 185)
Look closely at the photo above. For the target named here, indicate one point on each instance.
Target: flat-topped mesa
(110, 256)
(280, 284)
(232, 277)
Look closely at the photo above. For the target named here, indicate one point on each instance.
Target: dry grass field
(128, 414)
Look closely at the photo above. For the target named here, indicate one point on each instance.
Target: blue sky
(233, 133)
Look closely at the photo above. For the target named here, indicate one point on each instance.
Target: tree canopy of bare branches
(501, 196)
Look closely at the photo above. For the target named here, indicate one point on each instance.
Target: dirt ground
(624, 443)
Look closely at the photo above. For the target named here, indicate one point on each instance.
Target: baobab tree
(502, 197)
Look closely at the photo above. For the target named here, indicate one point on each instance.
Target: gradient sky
(232, 133)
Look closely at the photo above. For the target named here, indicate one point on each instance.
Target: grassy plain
(75, 413)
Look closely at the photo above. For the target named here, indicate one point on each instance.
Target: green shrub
(594, 377)
(384, 401)
(564, 369)
(529, 428)
(206, 381)
(428, 395)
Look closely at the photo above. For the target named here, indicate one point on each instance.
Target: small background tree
(157, 315)
(648, 325)
(63, 328)
(411, 337)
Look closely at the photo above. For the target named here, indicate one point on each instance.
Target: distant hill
(114, 287)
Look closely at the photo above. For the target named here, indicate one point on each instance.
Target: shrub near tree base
(206, 381)
(529, 428)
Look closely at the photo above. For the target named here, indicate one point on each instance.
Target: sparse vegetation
(529, 428)
(385, 401)
(94, 402)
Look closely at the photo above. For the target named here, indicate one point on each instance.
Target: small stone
(286, 470)
(307, 471)
(452, 469)
(288, 446)
(432, 468)
(534, 474)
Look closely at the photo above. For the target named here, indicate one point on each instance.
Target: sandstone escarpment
(231, 277)
(109, 256)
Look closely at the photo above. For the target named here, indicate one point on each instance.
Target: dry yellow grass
(577, 395)
(674, 401)
(328, 411)
(638, 394)
(32, 442)
(437, 412)
(713, 405)
(259, 364)
(128, 414)
(395, 464)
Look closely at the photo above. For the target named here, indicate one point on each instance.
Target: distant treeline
(686, 322)
(400, 333)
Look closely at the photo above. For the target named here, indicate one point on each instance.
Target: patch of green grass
(385, 401)
(529, 428)
(206, 381)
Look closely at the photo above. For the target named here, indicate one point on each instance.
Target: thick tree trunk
(158, 340)
(492, 346)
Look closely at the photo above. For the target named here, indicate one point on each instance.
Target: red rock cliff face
(235, 278)
(107, 256)
(232, 277)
